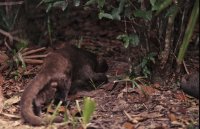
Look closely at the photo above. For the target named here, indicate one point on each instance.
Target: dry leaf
(156, 85)
(150, 90)
(11, 101)
(3, 57)
(172, 117)
(177, 124)
(120, 105)
(128, 125)
(145, 90)
(181, 96)
(149, 115)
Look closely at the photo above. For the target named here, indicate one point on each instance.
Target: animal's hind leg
(44, 97)
(64, 86)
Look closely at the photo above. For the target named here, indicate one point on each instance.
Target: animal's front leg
(99, 78)
(78, 85)
(67, 85)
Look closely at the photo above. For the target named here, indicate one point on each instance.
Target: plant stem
(188, 33)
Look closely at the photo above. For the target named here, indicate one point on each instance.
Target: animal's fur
(64, 71)
(190, 84)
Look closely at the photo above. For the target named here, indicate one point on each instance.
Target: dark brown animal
(190, 84)
(64, 70)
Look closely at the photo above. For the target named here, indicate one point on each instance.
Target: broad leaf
(153, 2)
(101, 3)
(77, 3)
(61, 4)
(116, 14)
(134, 40)
(88, 109)
(147, 15)
(173, 9)
(105, 15)
(90, 2)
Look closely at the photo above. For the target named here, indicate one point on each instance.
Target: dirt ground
(119, 105)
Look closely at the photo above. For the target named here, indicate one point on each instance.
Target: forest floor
(119, 105)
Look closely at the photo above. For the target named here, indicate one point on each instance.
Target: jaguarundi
(64, 71)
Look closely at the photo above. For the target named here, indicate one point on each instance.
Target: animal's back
(190, 84)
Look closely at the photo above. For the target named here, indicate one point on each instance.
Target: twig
(129, 117)
(11, 38)
(24, 50)
(7, 45)
(11, 3)
(33, 51)
(185, 67)
(33, 61)
(35, 56)
(10, 115)
(6, 34)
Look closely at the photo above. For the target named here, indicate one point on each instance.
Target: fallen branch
(33, 61)
(185, 67)
(35, 56)
(10, 115)
(7, 35)
(33, 51)
(24, 50)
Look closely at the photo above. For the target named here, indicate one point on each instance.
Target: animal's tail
(29, 94)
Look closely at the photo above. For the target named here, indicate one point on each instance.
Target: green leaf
(147, 15)
(134, 39)
(126, 42)
(173, 9)
(61, 4)
(144, 63)
(117, 11)
(90, 2)
(128, 12)
(153, 2)
(163, 5)
(121, 6)
(157, 4)
(101, 3)
(116, 14)
(55, 112)
(48, 1)
(129, 40)
(44, 1)
(77, 3)
(49, 8)
(152, 54)
(105, 15)
(21, 44)
(120, 37)
(88, 109)
(146, 71)
(125, 39)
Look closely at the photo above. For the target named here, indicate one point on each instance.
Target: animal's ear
(102, 65)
